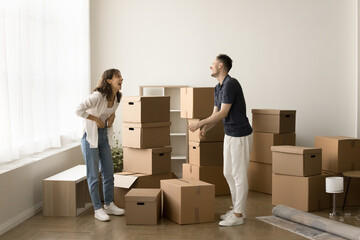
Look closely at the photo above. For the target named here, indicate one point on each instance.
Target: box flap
(295, 149)
(126, 179)
(142, 194)
(339, 138)
(162, 149)
(130, 99)
(146, 125)
(273, 111)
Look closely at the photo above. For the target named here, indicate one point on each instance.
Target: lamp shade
(334, 184)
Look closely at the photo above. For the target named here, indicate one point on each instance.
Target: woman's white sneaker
(101, 215)
(232, 220)
(227, 214)
(113, 209)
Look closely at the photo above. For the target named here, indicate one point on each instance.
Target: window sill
(9, 166)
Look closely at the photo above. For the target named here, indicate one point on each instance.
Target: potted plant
(117, 155)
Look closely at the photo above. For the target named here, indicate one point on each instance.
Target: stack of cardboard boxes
(271, 128)
(205, 156)
(341, 154)
(145, 141)
(297, 178)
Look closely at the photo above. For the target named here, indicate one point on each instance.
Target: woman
(98, 111)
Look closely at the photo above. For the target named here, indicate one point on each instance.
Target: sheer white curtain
(44, 73)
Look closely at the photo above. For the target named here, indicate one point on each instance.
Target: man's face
(215, 68)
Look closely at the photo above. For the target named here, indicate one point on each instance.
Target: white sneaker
(229, 213)
(232, 220)
(101, 215)
(113, 209)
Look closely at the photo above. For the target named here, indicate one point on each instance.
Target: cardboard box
(273, 120)
(196, 102)
(188, 201)
(303, 193)
(206, 154)
(296, 161)
(216, 134)
(124, 181)
(339, 154)
(143, 206)
(259, 177)
(145, 135)
(262, 143)
(150, 160)
(146, 109)
(209, 174)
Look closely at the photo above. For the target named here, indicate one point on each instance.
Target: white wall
(358, 70)
(288, 54)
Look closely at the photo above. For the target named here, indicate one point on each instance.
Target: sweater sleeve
(90, 102)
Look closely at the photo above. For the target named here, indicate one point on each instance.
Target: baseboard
(20, 218)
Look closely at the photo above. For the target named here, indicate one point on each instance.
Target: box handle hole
(131, 103)
(140, 203)
(131, 129)
(312, 156)
(161, 154)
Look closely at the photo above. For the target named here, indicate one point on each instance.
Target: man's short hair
(226, 60)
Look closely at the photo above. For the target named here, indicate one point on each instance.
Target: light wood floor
(86, 227)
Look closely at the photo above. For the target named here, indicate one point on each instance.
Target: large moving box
(303, 193)
(196, 102)
(187, 201)
(146, 109)
(296, 161)
(145, 135)
(259, 177)
(206, 154)
(209, 174)
(124, 181)
(216, 134)
(150, 160)
(143, 206)
(273, 120)
(339, 154)
(262, 143)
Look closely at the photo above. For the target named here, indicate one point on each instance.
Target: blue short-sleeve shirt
(236, 124)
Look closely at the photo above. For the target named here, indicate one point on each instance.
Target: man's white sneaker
(232, 220)
(101, 215)
(113, 209)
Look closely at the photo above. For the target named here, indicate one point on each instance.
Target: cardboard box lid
(161, 149)
(126, 179)
(142, 194)
(186, 182)
(140, 98)
(339, 138)
(146, 125)
(273, 111)
(295, 149)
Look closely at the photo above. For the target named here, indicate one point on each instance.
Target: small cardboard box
(209, 174)
(296, 161)
(339, 154)
(259, 177)
(146, 109)
(273, 120)
(216, 134)
(124, 181)
(188, 201)
(196, 102)
(303, 193)
(150, 160)
(145, 135)
(262, 142)
(206, 154)
(143, 206)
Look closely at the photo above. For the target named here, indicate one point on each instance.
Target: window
(44, 73)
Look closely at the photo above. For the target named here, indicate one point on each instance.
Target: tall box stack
(145, 141)
(205, 156)
(342, 154)
(271, 127)
(297, 178)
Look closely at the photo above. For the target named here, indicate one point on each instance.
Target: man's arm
(213, 119)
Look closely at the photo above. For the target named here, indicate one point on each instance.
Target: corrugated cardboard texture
(259, 177)
(206, 154)
(146, 109)
(196, 102)
(216, 134)
(273, 121)
(262, 143)
(209, 174)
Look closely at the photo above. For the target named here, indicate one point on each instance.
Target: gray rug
(300, 229)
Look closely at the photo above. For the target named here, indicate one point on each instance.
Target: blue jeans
(92, 157)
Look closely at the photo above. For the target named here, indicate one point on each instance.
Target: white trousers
(236, 163)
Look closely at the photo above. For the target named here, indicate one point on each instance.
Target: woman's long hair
(104, 87)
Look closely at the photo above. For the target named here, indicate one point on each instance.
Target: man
(231, 108)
